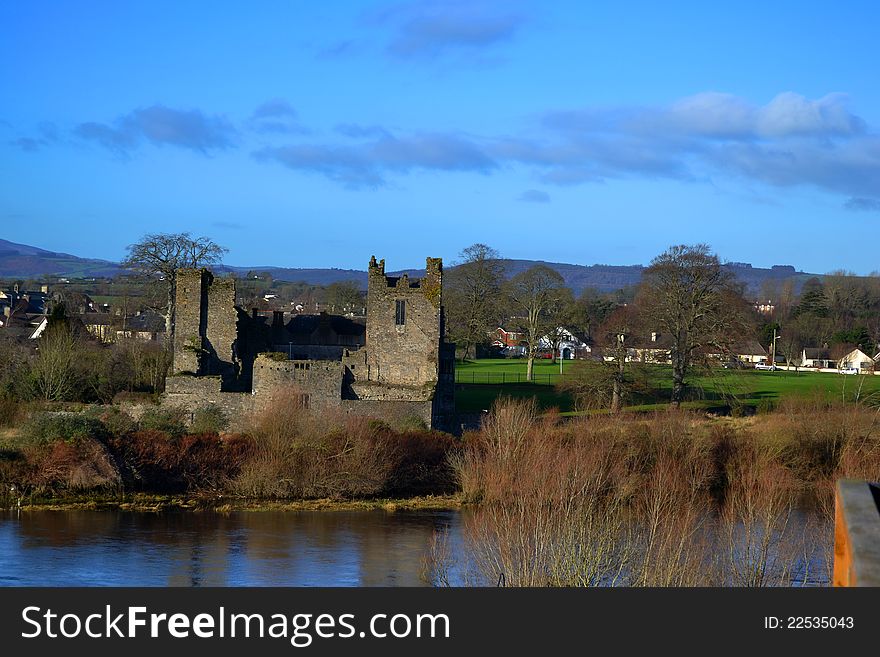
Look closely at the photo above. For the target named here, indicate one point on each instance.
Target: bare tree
(591, 310)
(686, 294)
(791, 343)
(559, 313)
(606, 383)
(472, 294)
(54, 372)
(614, 336)
(534, 294)
(161, 254)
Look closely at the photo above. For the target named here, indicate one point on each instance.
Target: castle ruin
(398, 365)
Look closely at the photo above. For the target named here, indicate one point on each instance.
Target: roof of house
(661, 341)
(96, 319)
(854, 353)
(813, 353)
(752, 348)
(34, 302)
(147, 321)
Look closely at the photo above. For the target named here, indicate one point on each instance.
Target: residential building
(569, 344)
(857, 359)
(817, 357)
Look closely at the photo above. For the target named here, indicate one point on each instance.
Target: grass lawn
(482, 381)
(473, 398)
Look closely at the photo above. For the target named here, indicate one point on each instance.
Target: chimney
(277, 319)
(254, 312)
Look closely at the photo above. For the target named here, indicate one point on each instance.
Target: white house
(569, 346)
(751, 352)
(811, 357)
(858, 359)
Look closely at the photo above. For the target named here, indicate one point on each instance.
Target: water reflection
(108, 548)
(358, 548)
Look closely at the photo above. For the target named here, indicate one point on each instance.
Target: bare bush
(671, 499)
(306, 453)
(63, 465)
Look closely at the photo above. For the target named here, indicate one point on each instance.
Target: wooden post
(856, 534)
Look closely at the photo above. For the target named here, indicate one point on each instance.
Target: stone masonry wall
(311, 351)
(190, 393)
(321, 380)
(221, 332)
(397, 411)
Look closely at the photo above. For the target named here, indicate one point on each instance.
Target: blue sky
(308, 134)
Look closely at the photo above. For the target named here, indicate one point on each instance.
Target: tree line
(685, 295)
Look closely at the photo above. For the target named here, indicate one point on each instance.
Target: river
(256, 548)
(319, 548)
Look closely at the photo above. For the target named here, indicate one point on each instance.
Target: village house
(568, 344)
(816, 357)
(751, 352)
(857, 359)
(23, 314)
(99, 325)
(654, 349)
(147, 326)
(513, 343)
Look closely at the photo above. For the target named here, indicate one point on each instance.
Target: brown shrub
(303, 453)
(154, 461)
(74, 466)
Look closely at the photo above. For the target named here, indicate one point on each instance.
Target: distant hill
(22, 261)
(310, 276)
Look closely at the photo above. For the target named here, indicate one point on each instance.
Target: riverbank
(226, 504)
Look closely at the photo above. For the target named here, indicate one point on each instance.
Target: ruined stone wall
(356, 365)
(220, 331)
(375, 391)
(404, 370)
(395, 412)
(190, 393)
(320, 380)
(190, 318)
(310, 351)
(408, 353)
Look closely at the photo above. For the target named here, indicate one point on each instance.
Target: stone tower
(205, 324)
(404, 325)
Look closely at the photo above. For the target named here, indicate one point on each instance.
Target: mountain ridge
(25, 261)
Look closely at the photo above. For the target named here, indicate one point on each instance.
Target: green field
(482, 381)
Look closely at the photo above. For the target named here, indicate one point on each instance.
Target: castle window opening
(400, 312)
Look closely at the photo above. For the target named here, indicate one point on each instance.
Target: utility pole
(775, 336)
